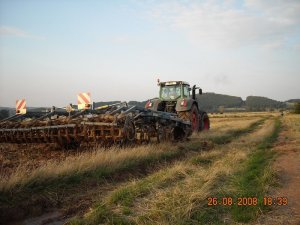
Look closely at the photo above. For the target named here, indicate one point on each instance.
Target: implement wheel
(129, 129)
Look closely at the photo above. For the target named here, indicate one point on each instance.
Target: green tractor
(178, 97)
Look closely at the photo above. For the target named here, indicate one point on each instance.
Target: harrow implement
(106, 125)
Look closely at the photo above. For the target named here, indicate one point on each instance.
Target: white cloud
(297, 46)
(277, 44)
(121, 39)
(13, 31)
(221, 79)
(214, 24)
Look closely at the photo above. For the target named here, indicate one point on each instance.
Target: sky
(51, 50)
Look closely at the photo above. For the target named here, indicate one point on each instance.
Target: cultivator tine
(122, 107)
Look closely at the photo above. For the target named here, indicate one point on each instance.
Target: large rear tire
(205, 123)
(192, 116)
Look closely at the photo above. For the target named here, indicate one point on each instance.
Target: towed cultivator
(172, 116)
(111, 124)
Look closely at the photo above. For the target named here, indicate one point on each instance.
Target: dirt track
(287, 166)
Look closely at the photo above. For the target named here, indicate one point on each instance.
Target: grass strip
(253, 180)
(232, 134)
(122, 199)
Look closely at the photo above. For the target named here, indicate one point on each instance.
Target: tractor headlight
(148, 104)
(183, 103)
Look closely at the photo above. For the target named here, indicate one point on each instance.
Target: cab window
(170, 92)
(186, 92)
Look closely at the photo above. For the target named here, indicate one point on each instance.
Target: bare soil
(30, 156)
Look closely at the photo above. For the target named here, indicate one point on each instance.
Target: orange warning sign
(21, 106)
(84, 100)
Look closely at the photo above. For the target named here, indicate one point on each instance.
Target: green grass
(126, 195)
(202, 160)
(101, 215)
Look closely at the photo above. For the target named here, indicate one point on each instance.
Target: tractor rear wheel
(205, 123)
(192, 116)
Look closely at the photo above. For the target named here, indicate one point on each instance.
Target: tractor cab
(174, 96)
(173, 90)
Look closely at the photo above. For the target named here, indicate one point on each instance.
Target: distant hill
(211, 102)
(257, 103)
(6, 112)
(293, 100)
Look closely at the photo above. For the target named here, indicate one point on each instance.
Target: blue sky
(52, 50)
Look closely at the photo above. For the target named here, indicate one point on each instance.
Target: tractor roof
(170, 83)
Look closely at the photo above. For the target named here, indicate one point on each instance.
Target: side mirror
(200, 91)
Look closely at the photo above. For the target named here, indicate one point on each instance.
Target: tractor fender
(182, 106)
(154, 104)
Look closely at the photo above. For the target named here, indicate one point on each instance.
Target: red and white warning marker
(21, 106)
(84, 100)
